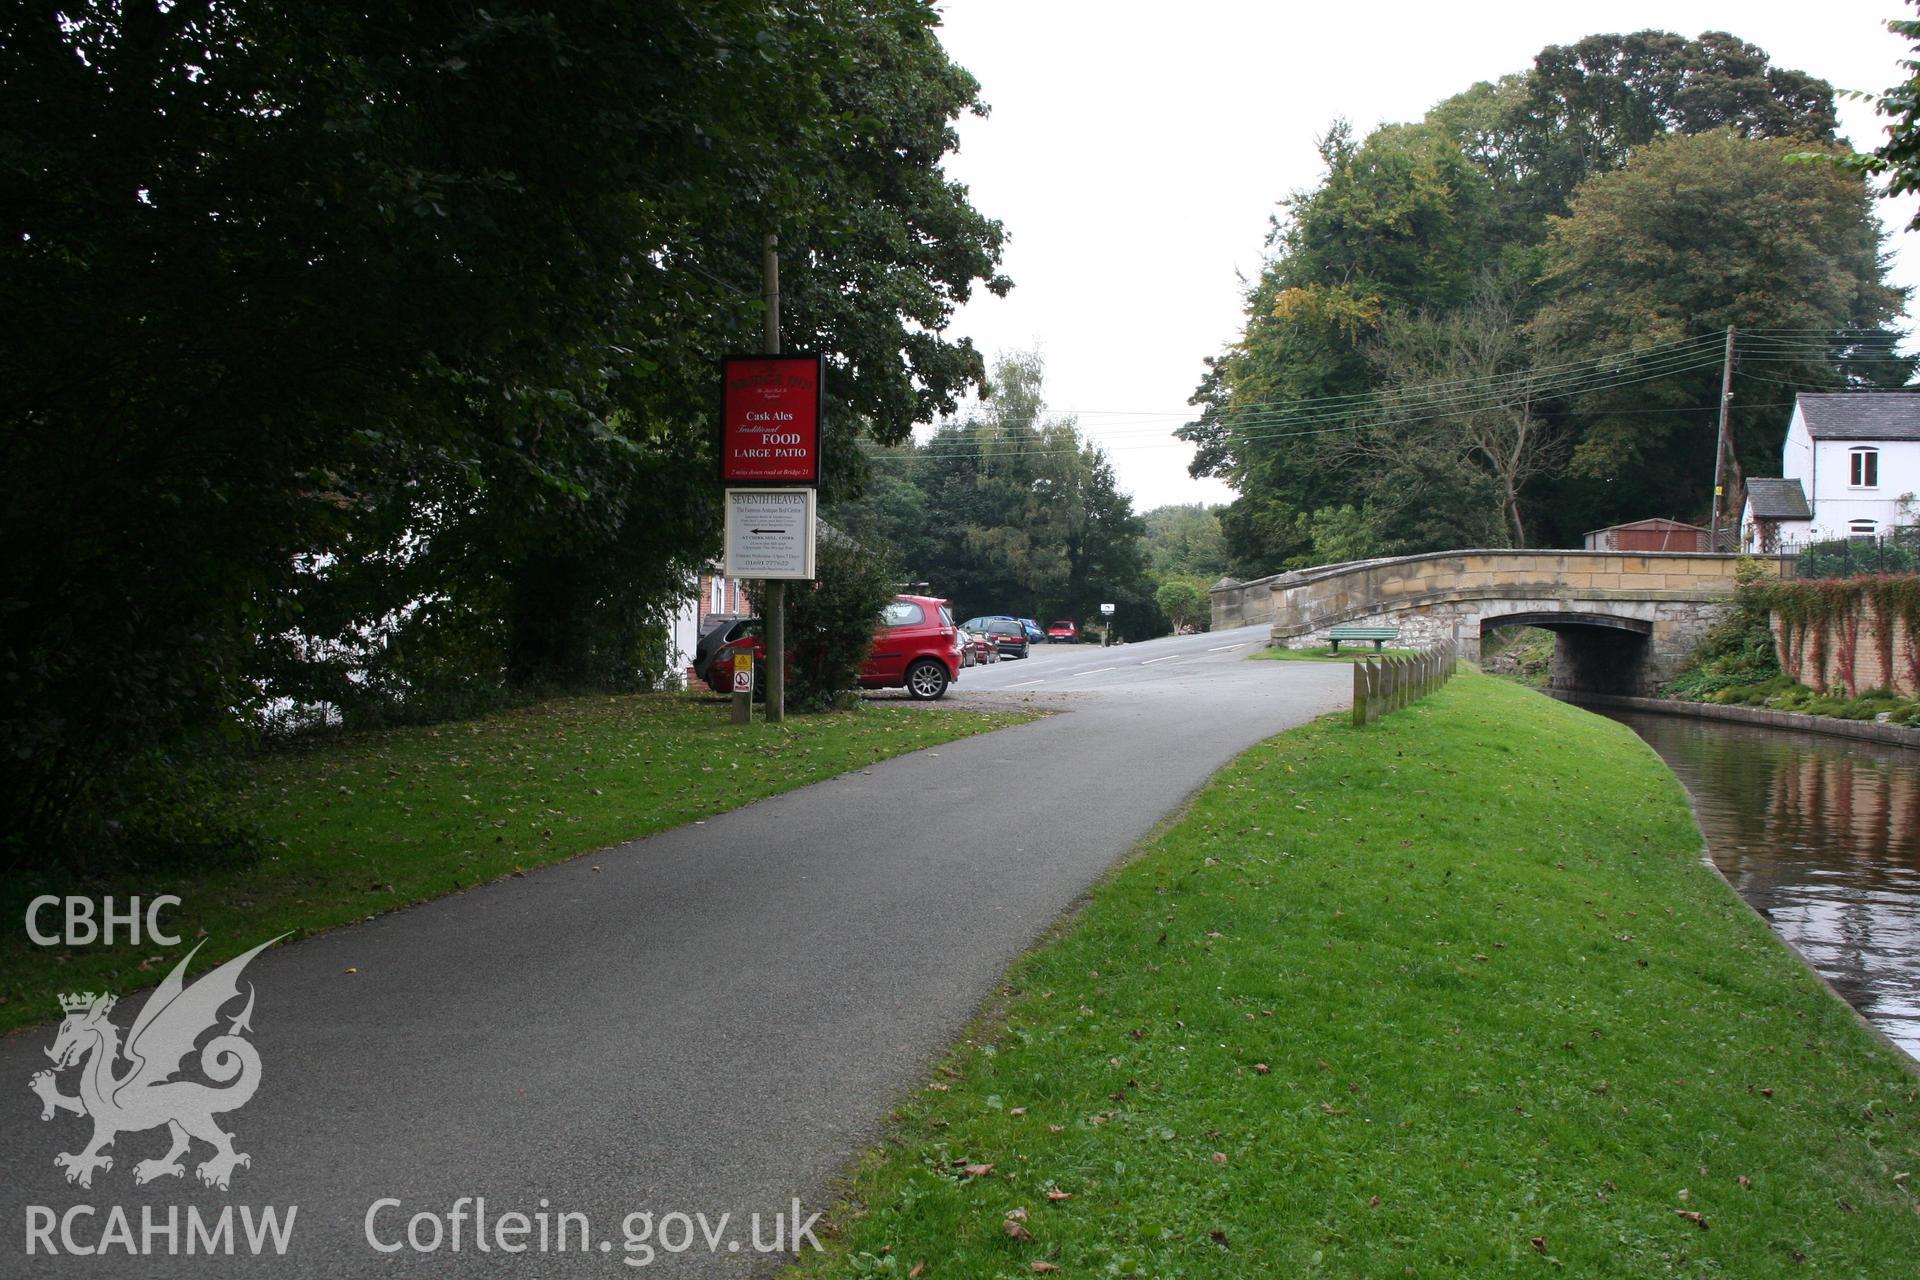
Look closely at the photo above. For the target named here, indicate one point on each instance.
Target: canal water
(1821, 835)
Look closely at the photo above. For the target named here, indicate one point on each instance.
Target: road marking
(1091, 671)
(1223, 648)
(1169, 658)
(1024, 683)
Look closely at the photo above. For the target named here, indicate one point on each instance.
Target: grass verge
(1449, 996)
(1354, 652)
(364, 824)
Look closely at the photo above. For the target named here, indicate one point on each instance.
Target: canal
(1821, 835)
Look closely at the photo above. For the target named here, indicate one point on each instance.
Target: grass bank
(364, 824)
(1354, 651)
(1449, 996)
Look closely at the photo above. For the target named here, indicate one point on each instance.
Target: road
(708, 1021)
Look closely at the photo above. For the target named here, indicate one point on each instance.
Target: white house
(1850, 469)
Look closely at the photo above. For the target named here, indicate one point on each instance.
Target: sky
(1136, 153)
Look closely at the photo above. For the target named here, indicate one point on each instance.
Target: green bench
(1379, 635)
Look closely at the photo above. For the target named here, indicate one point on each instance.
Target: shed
(1649, 535)
(1776, 514)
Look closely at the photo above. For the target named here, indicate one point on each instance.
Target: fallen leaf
(1018, 1215)
(1017, 1111)
(1697, 1219)
(1055, 1193)
(350, 971)
(1539, 1244)
(1373, 1202)
(916, 1271)
(1041, 1267)
(1015, 1231)
(1744, 1180)
(1056, 1128)
(976, 1170)
(1261, 1068)
(1219, 1157)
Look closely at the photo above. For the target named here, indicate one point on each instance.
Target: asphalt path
(710, 1021)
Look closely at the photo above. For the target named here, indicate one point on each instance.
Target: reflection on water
(1822, 836)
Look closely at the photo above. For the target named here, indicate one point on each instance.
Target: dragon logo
(145, 1095)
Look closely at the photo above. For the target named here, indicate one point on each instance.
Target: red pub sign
(770, 420)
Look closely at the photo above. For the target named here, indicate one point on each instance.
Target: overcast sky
(1136, 151)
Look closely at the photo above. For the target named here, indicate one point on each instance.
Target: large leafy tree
(1400, 223)
(1331, 414)
(1010, 510)
(1693, 235)
(388, 332)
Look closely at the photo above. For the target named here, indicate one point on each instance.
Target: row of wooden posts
(1390, 682)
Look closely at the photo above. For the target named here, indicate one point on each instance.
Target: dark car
(1008, 635)
(718, 631)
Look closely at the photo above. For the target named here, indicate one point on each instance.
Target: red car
(916, 647)
(1062, 632)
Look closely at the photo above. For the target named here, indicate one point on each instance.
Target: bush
(830, 622)
(1853, 558)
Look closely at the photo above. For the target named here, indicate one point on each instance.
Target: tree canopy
(1497, 325)
(366, 353)
(1007, 510)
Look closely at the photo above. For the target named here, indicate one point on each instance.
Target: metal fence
(1896, 551)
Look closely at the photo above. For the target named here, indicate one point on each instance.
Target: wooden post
(775, 590)
(1359, 694)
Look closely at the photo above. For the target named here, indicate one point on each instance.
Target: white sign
(770, 533)
(1107, 609)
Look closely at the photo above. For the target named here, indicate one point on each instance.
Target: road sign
(743, 673)
(770, 533)
(770, 419)
(1107, 609)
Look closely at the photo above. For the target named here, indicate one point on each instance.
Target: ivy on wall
(1809, 611)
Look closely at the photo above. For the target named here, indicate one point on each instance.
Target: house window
(1862, 529)
(1865, 468)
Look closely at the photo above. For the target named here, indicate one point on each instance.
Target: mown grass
(364, 824)
(1352, 651)
(1449, 996)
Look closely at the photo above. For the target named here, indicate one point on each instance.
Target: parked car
(1036, 634)
(981, 648)
(718, 631)
(916, 647)
(1063, 632)
(1008, 636)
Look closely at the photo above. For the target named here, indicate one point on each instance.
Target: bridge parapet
(1665, 600)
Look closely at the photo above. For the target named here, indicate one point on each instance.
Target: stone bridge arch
(1624, 623)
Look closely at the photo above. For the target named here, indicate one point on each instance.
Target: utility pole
(775, 590)
(1720, 443)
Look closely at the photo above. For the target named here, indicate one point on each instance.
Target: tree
(1695, 234)
(1184, 541)
(1016, 513)
(1582, 108)
(1456, 389)
(388, 332)
(1399, 223)
(1898, 158)
(1183, 601)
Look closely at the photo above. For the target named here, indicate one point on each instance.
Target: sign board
(1107, 610)
(770, 419)
(770, 533)
(743, 672)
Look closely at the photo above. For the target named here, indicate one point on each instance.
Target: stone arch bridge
(1624, 622)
